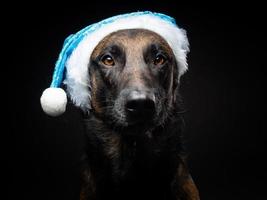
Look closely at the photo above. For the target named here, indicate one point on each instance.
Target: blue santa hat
(71, 67)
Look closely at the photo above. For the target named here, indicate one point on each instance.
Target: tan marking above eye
(108, 60)
(159, 60)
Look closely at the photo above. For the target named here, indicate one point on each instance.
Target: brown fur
(95, 103)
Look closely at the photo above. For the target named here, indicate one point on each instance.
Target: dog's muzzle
(140, 105)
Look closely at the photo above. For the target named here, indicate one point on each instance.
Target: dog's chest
(133, 159)
(128, 157)
(124, 164)
(142, 167)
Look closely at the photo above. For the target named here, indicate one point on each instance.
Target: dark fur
(137, 157)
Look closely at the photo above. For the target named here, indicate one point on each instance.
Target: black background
(223, 92)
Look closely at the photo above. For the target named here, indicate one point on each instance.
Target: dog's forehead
(130, 38)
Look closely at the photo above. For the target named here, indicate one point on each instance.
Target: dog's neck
(121, 161)
(112, 141)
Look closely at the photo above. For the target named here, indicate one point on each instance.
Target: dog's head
(134, 78)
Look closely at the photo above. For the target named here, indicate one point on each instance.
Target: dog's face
(133, 78)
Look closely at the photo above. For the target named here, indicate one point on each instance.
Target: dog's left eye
(159, 60)
(108, 60)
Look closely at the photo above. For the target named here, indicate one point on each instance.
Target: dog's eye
(108, 60)
(159, 60)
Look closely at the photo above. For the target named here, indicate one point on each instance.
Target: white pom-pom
(53, 101)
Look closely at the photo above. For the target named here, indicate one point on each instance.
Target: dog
(134, 148)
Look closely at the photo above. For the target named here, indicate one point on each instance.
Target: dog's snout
(140, 103)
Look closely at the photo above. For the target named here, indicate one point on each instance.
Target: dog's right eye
(107, 60)
(159, 60)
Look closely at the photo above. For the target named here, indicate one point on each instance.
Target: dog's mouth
(135, 125)
(132, 118)
(140, 119)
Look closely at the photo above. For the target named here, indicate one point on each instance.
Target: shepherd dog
(134, 148)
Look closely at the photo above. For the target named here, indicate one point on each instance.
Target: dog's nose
(140, 103)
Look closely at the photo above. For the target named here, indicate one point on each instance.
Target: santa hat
(71, 67)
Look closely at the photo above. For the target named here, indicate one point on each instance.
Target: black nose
(140, 104)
